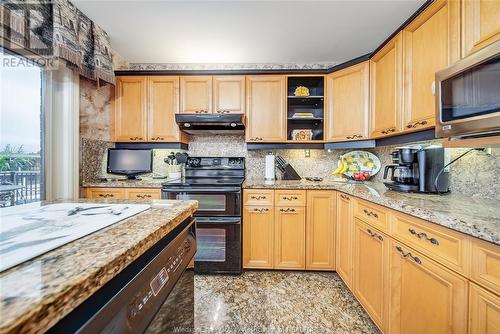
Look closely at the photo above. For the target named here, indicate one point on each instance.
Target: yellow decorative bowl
(301, 91)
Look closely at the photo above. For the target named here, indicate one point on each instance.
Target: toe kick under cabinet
(410, 275)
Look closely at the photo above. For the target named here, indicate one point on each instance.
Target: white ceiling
(300, 32)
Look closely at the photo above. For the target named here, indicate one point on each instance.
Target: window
(21, 130)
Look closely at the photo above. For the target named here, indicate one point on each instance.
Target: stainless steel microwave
(468, 95)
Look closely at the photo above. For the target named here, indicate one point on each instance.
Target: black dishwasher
(154, 294)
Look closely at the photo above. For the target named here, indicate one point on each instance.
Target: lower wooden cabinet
(371, 272)
(484, 311)
(123, 193)
(320, 229)
(289, 237)
(258, 237)
(425, 297)
(344, 238)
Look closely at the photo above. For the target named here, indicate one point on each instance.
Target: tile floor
(277, 302)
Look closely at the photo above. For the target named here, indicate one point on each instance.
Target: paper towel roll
(269, 175)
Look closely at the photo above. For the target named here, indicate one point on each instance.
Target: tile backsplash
(476, 174)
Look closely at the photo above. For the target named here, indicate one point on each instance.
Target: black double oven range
(216, 184)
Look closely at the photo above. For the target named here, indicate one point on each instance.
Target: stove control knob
(193, 162)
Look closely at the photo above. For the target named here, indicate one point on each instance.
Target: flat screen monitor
(130, 162)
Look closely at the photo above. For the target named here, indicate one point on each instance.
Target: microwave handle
(218, 220)
(433, 88)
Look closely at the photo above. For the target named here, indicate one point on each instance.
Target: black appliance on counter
(216, 184)
(415, 169)
(130, 162)
(154, 294)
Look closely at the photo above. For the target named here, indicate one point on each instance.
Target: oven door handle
(203, 190)
(218, 220)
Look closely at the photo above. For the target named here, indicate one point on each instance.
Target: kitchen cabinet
(480, 24)
(344, 238)
(163, 104)
(434, 32)
(484, 311)
(371, 272)
(486, 265)
(425, 297)
(289, 237)
(258, 237)
(348, 103)
(386, 89)
(266, 112)
(229, 94)
(320, 229)
(130, 117)
(123, 193)
(196, 95)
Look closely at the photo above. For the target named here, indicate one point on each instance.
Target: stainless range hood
(194, 124)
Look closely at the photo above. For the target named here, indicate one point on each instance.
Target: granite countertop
(477, 217)
(124, 183)
(38, 293)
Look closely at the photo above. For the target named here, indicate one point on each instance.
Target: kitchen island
(37, 294)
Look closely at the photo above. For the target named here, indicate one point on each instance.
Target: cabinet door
(258, 237)
(196, 95)
(105, 193)
(348, 103)
(320, 230)
(289, 237)
(130, 109)
(163, 104)
(431, 43)
(344, 238)
(425, 297)
(480, 24)
(229, 94)
(266, 108)
(371, 272)
(484, 311)
(386, 89)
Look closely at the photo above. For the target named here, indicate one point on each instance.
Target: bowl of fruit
(360, 176)
(358, 165)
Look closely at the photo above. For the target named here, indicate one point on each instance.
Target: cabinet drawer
(372, 214)
(103, 193)
(441, 244)
(258, 197)
(290, 198)
(146, 194)
(486, 265)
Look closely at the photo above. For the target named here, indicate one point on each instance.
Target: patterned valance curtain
(57, 28)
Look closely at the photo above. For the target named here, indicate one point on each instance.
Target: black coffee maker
(414, 169)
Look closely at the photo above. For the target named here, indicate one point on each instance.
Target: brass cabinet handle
(344, 197)
(136, 138)
(143, 196)
(258, 198)
(402, 252)
(157, 138)
(256, 138)
(222, 111)
(387, 131)
(416, 124)
(354, 137)
(106, 195)
(202, 111)
(375, 235)
(423, 235)
(370, 213)
(291, 198)
(287, 210)
(260, 210)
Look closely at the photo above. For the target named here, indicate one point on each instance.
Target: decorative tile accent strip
(227, 66)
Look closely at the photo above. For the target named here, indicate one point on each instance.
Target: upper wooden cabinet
(348, 103)
(163, 98)
(229, 94)
(196, 95)
(480, 24)
(431, 43)
(386, 89)
(320, 229)
(130, 119)
(266, 99)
